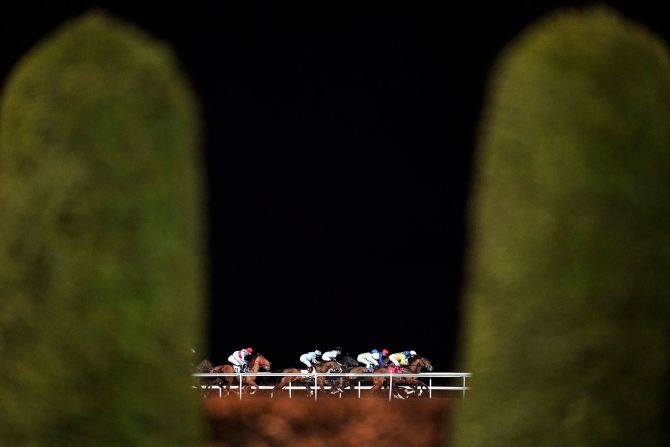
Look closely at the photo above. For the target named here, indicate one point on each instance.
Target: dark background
(339, 139)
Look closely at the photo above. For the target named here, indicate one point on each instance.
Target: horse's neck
(414, 367)
(326, 366)
(255, 366)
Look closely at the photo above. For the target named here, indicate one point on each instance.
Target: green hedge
(567, 310)
(101, 241)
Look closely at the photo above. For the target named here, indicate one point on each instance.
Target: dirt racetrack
(366, 422)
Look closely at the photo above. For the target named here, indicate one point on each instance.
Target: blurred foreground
(328, 422)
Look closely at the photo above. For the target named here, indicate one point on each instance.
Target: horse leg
(322, 382)
(228, 385)
(376, 384)
(253, 387)
(280, 385)
(416, 386)
(344, 383)
(419, 385)
(338, 383)
(308, 384)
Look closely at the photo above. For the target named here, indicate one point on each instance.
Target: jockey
(371, 359)
(310, 358)
(239, 359)
(401, 358)
(367, 359)
(379, 356)
(330, 356)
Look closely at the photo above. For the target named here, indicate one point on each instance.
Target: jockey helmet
(317, 352)
(249, 350)
(385, 351)
(407, 353)
(338, 349)
(374, 351)
(412, 352)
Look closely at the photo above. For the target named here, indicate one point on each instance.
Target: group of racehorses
(346, 364)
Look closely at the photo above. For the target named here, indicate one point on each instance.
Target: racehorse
(330, 366)
(348, 361)
(255, 363)
(417, 364)
(205, 366)
(351, 367)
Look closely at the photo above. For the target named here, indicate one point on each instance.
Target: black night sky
(339, 139)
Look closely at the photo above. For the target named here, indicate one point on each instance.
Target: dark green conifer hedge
(567, 307)
(101, 242)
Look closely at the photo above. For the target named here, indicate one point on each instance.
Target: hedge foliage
(101, 233)
(566, 306)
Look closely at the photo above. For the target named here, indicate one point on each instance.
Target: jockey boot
(310, 369)
(371, 368)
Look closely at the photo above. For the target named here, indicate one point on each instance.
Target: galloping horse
(416, 365)
(351, 367)
(348, 361)
(308, 380)
(205, 366)
(255, 363)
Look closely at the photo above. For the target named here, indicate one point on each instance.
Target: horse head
(422, 363)
(261, 361)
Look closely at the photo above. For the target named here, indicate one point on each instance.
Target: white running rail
(290, 387)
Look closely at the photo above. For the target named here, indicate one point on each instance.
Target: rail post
(316, 387)
(359, 389)
(390, 385)
(289, 389)
(240, 373)
(430, 388)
